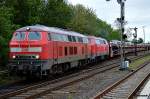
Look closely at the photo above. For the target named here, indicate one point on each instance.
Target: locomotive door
(55, 52)
(86, 51)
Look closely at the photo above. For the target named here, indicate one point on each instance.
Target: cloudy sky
(137, 13)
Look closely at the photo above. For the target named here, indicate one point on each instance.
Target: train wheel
(56, 69)
(66, 67)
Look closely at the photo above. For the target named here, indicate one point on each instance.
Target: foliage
(140, 40)
(85, 21)
(6, 27)
(56, 13)
(115, 34)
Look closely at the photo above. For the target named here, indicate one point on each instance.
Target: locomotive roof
(50, 29)
(97, 38)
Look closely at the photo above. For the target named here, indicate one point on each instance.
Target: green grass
(136, 63)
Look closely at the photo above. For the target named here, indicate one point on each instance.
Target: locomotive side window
(71, 50)
(75, 50)
(80, 39)
(82, 50)
(73, 38)
(85, 40)
(59, 37)
(60, 51)
(49, 36)
(66, 38)
(19, 36)
(34, 36)
(69, 38)
(89, 40)
(76, 39)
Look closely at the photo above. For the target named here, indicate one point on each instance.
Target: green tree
(35, 11)
(21, 11)
(26, 12)
(140, 40)
(6, 28)
(134, 41)
(83, 20)
(56, 13)
(114, 35)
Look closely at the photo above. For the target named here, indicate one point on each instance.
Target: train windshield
(19, 36)
(34, 36)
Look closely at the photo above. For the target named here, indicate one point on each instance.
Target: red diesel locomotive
(40, 50)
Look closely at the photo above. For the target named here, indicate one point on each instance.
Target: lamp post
(122, 21)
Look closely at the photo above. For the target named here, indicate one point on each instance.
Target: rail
(113, 86)
(3, 72)
(61, 82)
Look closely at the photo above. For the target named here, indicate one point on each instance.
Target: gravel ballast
(89, 87)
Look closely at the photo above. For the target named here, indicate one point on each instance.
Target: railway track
(51, 83)
(46, 87)
(128, 86)
(21, 84)
(138, 90)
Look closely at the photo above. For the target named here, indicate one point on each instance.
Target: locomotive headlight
(37, 56)
(13, 56)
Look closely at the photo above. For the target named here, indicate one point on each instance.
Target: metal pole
(122, 17)
(144, 38)
(144, 33)
(135, 37)
(122, 4)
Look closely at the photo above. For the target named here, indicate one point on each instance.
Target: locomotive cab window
(98, 41)
(34, 36)
(19, 36)
(101, 41)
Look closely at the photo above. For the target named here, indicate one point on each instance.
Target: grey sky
(137, 12)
